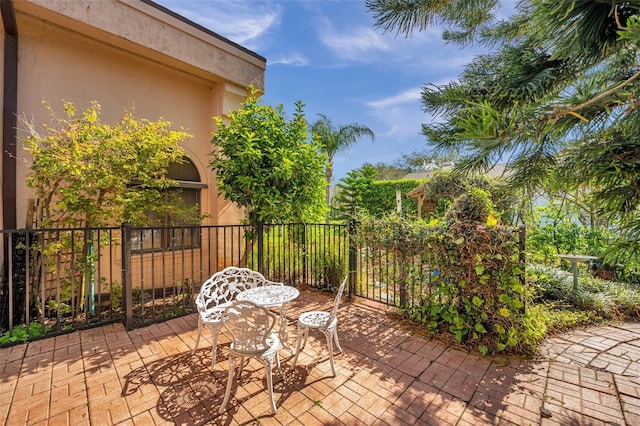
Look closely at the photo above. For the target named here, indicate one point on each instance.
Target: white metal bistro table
(270, 296)
(574, 259)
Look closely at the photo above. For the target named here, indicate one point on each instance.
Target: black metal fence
(59, 280)
(391, 278)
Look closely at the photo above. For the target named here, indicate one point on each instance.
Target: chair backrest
(250, 325)
(336, 302)
(223, 286)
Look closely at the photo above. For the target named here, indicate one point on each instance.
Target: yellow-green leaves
(480, 328)
(505, 312)
(89, 173)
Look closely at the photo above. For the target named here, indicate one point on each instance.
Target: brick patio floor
(387, 375)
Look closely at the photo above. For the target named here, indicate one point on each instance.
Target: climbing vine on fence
(475, 290)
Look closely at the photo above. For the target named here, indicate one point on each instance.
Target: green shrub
(475, 205)
(297, 250)
(533, 328)
(444, 187)
(379, 199)
(549, 284)
(116, 296)
(21, 333)
(475, 291)
(329, 270)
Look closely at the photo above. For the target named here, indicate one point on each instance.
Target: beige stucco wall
(126, 54)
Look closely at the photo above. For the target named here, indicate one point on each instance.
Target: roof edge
(201, 28)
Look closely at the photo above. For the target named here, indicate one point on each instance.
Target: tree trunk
(328, 175)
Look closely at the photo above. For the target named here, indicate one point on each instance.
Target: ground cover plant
(596, 301)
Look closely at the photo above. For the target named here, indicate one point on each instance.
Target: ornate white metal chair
(326, 322)
(217, 293)
(251, 328)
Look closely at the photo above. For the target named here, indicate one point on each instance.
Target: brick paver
(387, 375)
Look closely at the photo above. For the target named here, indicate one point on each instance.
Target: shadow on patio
(386, 375)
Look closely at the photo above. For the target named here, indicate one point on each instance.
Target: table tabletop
(271, 295)
(577, 257)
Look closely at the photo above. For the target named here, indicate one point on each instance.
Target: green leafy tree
(407, 163)
(559, 91)
(266, 163)
(333, 140)
(418, 160)
(445, 187)
(86, 173)
(348, 199)
(385, 171)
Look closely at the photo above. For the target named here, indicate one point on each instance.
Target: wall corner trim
(9, 115)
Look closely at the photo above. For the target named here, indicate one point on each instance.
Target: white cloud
(365, 44)
(242, 29)
(295, 59)
(242, 22)
(356, 44)
(400, 114)
(409, 96)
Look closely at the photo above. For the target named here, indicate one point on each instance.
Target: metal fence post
(260, 231)
(403, 280)
(522, 233)
(353, 257)
(127, 291)
(305, 264)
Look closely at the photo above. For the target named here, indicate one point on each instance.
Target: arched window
(185, 172)
(175, 233)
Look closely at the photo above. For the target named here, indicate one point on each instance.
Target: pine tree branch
(600, 96)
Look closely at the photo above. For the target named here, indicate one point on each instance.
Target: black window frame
(163, 238)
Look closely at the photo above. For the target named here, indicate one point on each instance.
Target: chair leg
(329, 336)
(306, 334)
(268, 364)
(335, 337)
(279, 366)
(299, 345)
(241, 368)
(227, 391)
(199, 333)
(214, 346)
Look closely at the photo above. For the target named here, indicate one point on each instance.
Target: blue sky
(328, 55)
